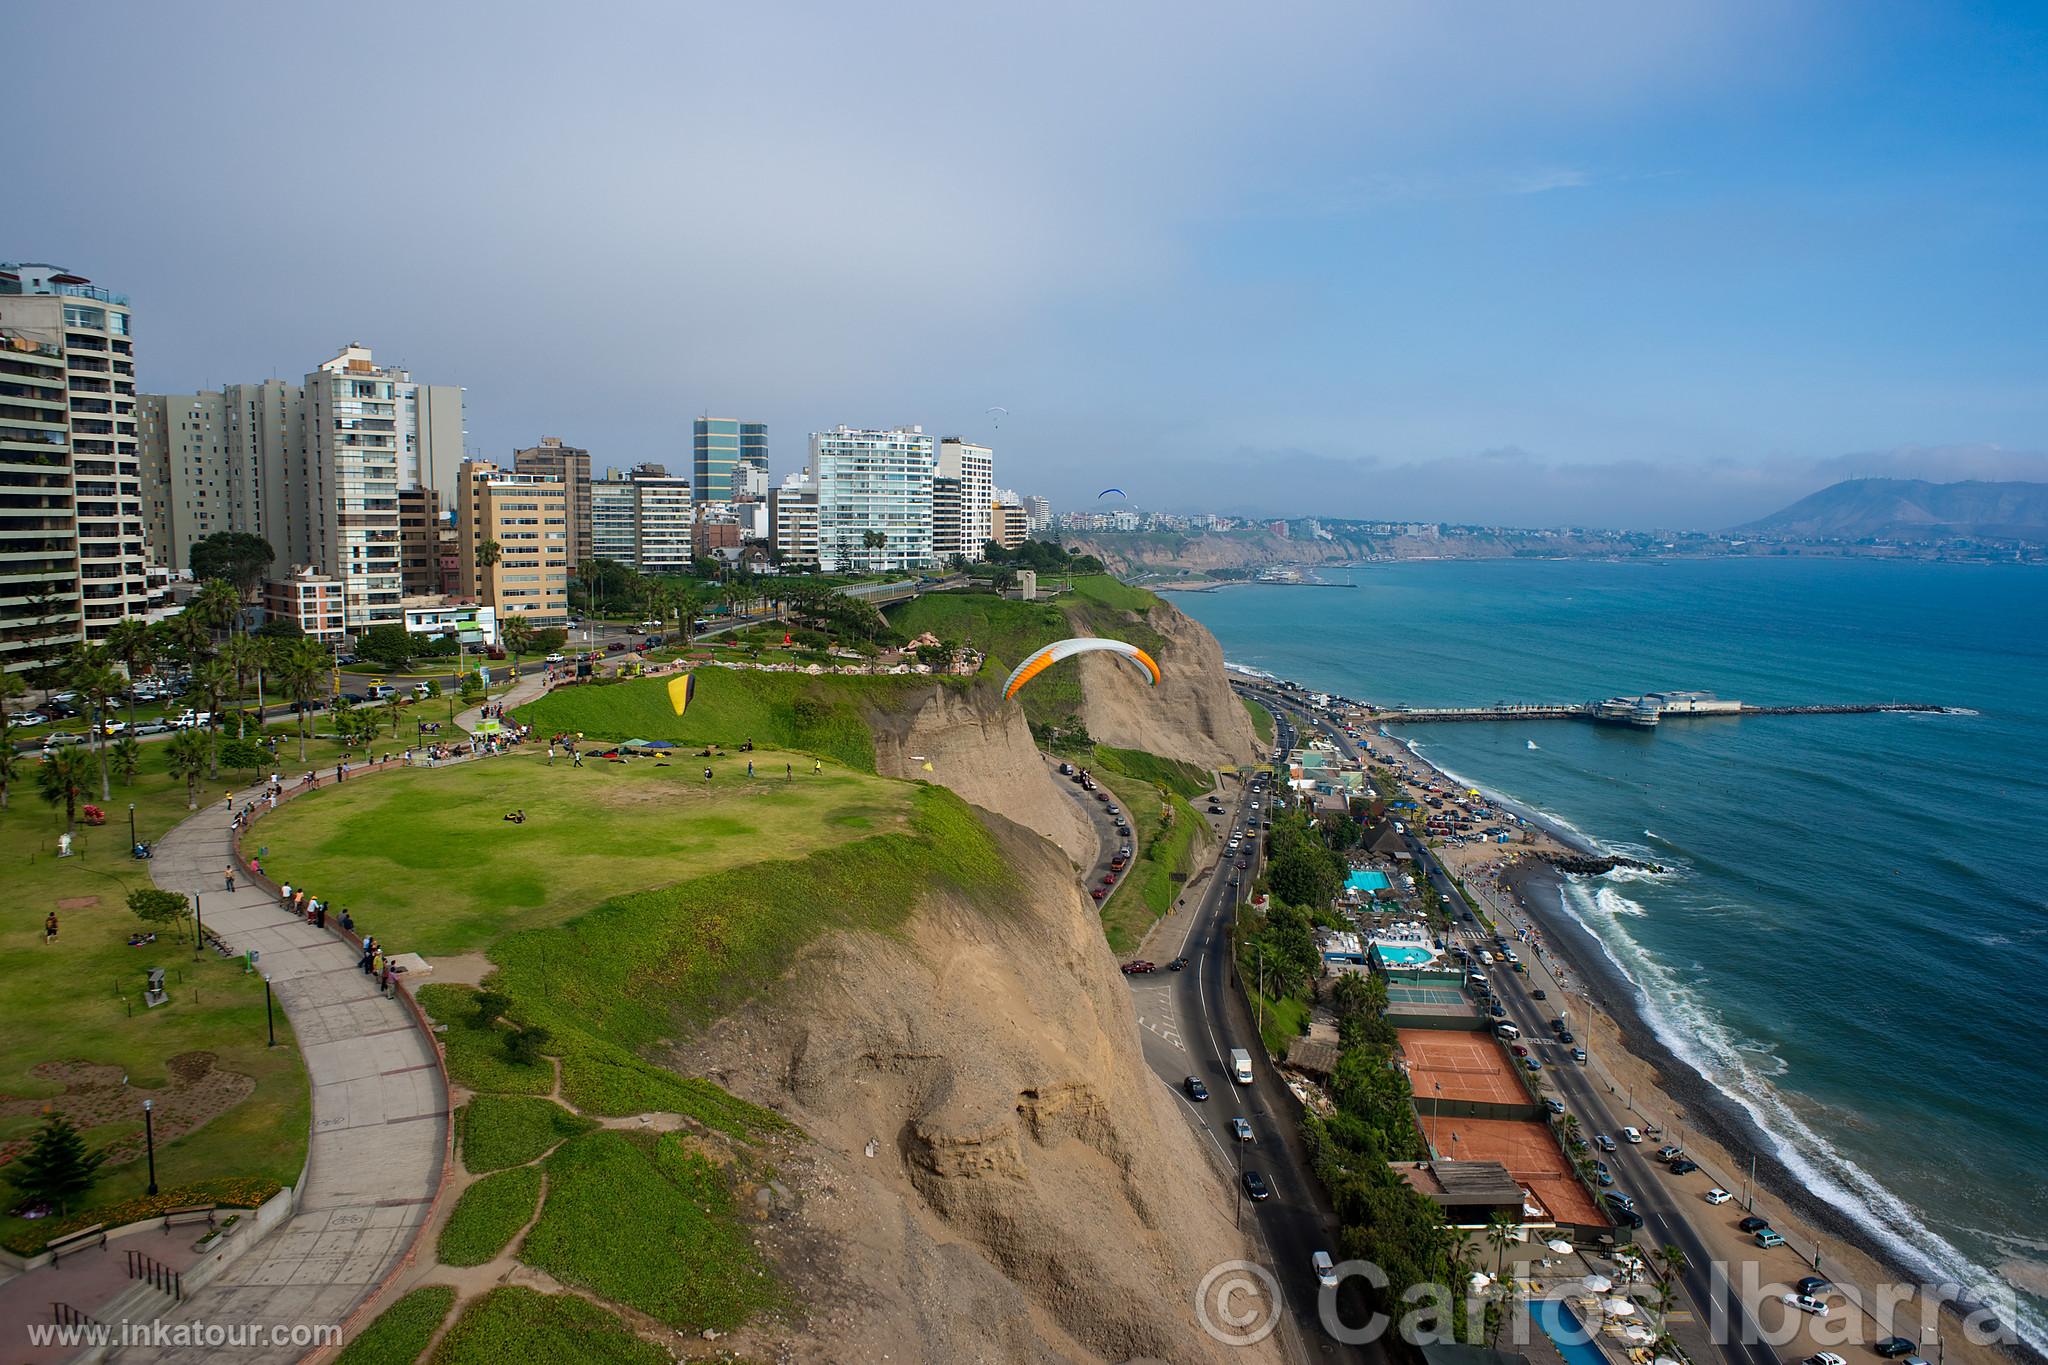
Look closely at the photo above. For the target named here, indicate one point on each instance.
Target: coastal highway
(1666, 1221)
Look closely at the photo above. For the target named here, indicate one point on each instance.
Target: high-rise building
(513, 530)
(346, 525)
(1037, 515)
(220, 461)
(975, 467)
(68, 437)
(947, 541)
(662, 517)
(419, 541)
(570, 464)
(874, 498)
(615, 521)
(1010, 530)
(793, 519)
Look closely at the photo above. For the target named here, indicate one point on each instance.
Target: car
(1615, 1199)
(1117, 863)
(1805, 1303)
(1768, 1239)
(1138, 966)
(1579, 1055)
(1255, 1186)
(1099, 892)
(1564, 1035)
(1601, 1175)
(1670, 1152)
(1814, 1284)
(1629, 1218)
(1179, 964)
(1325, 1269)
(1101, 796)
(1684, 1166)
(1519, 1050)
(1554, 1104)
(1539, 994)
(555, 658)
(155, 727)
(1241, 1129)
(1499, 1011)
(1111, 809)
(1824, 1358)
(30, 718)
(1752, 1224)
(1109, 879)
(1891, 1348)
(1532, 1064)
(1196, 1090)
(66, 697)
(1122, 828)
(1603, 1142)
(1717, 1195)
(62, 739)
(1632, 1135)
(1124, 851)
(1243, 865)
(1066, 769)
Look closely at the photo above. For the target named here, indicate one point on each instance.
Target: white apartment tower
(347, 522)
(793, 519)
(874, 498)
(68, 437)
(975, 467)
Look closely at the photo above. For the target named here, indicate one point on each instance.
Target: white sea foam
(1743, 1071)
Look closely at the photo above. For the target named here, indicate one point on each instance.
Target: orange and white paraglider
(1045, 658)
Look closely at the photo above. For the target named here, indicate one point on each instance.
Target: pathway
(380, 1114)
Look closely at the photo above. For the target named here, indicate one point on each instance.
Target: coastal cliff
(1192, 715)
(993, 1172)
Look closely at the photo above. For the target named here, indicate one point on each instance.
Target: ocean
(1851, 940)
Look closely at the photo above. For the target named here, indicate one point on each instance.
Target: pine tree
(56, 1168)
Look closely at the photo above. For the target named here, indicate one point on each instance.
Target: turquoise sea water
(1853, 941)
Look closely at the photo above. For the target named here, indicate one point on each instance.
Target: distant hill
(1913, 510)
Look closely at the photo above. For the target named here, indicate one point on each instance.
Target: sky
(1666, 265)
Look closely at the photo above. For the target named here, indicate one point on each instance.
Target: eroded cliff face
(981, 747)
(992, 1172)
(1191, 715)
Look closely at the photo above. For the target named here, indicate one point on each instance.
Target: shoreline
(1678, 1092)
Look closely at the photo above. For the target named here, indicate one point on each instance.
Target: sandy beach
(1516, 886)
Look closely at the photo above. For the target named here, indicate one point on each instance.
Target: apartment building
(1011, 529)
(874, 498)
(512, 530)
(68, 436)
(973, 468)
(793, 519)
(726, 455)
(615, 521)
(419, 541)
(570, 464)
(663, 514)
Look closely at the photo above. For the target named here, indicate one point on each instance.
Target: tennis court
(1439, 998)
(1459, 1066)
(1530, 1153)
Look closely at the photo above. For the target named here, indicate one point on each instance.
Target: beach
(1521, 891)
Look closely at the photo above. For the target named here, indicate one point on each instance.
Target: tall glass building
(721, 445)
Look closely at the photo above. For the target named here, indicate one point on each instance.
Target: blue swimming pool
(1366, 881)
(1401, 955)
(1562, 1326)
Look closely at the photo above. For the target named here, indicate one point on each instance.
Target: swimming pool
(1401, 955)
(1562, 1326)
(1366, 881)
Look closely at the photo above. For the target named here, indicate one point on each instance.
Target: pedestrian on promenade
(299, 903)
(551, 755)
(369, 951)
(284, 897)
(577, 755)
(348, 925)
(228, 799)
(230, 873)
(377, 963)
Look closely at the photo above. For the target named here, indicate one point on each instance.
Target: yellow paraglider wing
(681, 688)
(1045, 658)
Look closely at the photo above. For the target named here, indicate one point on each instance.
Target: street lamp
(149, 1140)
(131, 825)
(269, 1018)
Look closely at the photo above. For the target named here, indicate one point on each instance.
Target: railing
(64, 1315)
(143, 1266)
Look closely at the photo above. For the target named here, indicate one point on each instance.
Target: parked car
(1806, 1303)
(1255, 1186)
(1325, 1269)
(1717, 1195)
(1752, 1224)
(1891, 1348)
(1554, 1104)
(1814, 1284)
(1629, 1218)
(1241, 1129)
(62, 738)
(1684, 1166)
(1670, 1152)
(1138, 966)
(1539, 994)
(155, 727)
(1824, 1358)
(1579, 1055)
(1615, 1199)
(1632, 1135)
(1196, 1090)
(1519, 1050)
(1532, 1064)
(30, 718)
(1601, 1175)
(1768, 1239)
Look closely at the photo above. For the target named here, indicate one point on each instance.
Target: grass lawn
(648, 1222)
(401, 1331)
(1182, 779)
(515, 1324)
(1282, 1022)
(488, 1215)
(1162, 849)
(499, 1131)
(1262, 719)
(425, 859)
(817, 715)
(72, 1023)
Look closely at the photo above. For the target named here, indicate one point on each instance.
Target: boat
(1531, 743)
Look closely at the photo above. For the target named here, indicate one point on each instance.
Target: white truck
(1241, 1065)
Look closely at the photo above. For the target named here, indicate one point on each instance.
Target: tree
(187, 755)
(279, 628)
(244, 755)
(190, 635)
(10, 769)
(127, 758)
(490, 1006)
(549, 640)
(488, 554)
(214, 681)
(394, 707)
(524, 1045)
(11, 687)
(517, 633)
(219, 604)
(243, 657)
(62, 779)
(387, 644)
(302, 669)
(132, 644)
(236, 557)
(97, 684)
(153, 905)
(56, 1169)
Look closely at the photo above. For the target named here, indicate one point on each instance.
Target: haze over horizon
(1594, 265)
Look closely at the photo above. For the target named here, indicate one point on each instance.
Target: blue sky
(1664, 265)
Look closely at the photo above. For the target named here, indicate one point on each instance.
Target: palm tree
(215, 682)
(219, 604)
(392, 706)
(127, 755)
(62, 779)
(11, 688)
(132, 644)
(300, 670)
(10, 768)
(190, 633)
(97, 684)
(188, 754)
(1672, 1259)
(517, 633)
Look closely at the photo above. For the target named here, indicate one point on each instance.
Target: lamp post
(131, 825)
(149, 1139)
(269, 1019)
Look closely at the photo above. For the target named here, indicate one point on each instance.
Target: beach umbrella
(1664, 1360)
(1598, 1284)
(1480, 1281)
(1617, 1308)
(1560, 1246)
(1638, 1333)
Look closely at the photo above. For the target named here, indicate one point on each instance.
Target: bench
(96, 1235)
(191, 1213)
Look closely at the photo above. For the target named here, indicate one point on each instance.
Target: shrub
(524, 1045)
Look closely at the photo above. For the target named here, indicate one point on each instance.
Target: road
(1665, 1221)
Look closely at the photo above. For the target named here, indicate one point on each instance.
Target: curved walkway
(380, 1113)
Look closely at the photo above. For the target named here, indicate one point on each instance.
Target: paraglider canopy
(1107, 491)
(1045, 658)
(680, 690)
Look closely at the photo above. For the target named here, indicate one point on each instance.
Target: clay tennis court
(1459, 1066)
(1529, 1152)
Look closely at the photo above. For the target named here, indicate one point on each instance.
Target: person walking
(284, 897)
(788, 771)
(707, 777)
(817, 767)
(229, 872)
(750, 767)
(551, 755)
(50, 927)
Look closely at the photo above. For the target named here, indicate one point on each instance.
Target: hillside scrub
(1182, 779)
(514, 1323)
(488, 1215)
(499, 1130)
(401, 1331)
